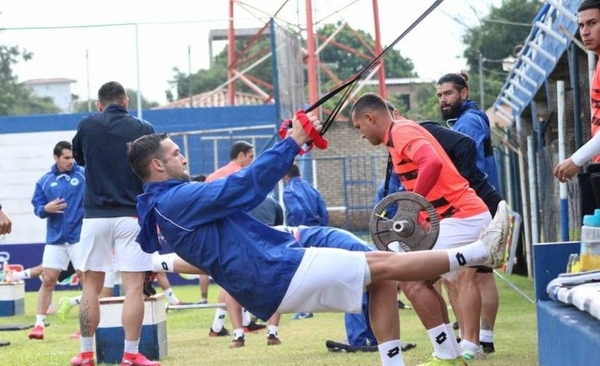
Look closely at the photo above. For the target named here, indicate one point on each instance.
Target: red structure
(238, 61)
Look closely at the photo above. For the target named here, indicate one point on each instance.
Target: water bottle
(589, 255)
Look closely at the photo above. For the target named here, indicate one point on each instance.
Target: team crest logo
(74, 181)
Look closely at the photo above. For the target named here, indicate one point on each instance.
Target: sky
(140, 42)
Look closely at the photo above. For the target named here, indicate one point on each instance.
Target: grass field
(303, 341)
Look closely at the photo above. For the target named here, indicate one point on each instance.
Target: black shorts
(65, 274)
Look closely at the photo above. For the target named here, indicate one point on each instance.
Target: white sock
(469, 346)
(171, 296)
(273, 329)
(21, 275)
(40, 320)
(237, 333)
(486, 335)
(468, 255)
(453, 341)
(440, 339)
(245, 317)
(75, 300)
(219, 320)
(131, 346)
(390, 353)
(163, 263)
(87, 344)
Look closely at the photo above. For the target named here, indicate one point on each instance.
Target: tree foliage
(495, 38)
(15, 98)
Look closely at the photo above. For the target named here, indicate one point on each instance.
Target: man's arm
(5, 223)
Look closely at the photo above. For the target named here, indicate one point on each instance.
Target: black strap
(352, 82)
(388, 175)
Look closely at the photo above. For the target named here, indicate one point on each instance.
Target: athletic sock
(469, 346)
(21, 275)
(390, 353)
(219, 320)
(40, 320)
(87, 344)
(486, 336)
(245, 317)
(131, 346)
(453, 341)
(467, 255)
(273, 329)
(440, 339)
(237, 333)
(171, 296)
(75, 300)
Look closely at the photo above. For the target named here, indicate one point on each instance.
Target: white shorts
(327, 280)
(57, 256)
(455, 232)
(100, 237)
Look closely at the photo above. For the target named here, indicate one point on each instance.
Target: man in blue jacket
(262, 267)
(463, 115)
(110, 225)
(58, 198)
(303, 203)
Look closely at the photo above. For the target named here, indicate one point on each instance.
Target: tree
(503, 29)
(18, 99)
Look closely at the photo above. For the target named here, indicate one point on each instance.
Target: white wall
(24, 158)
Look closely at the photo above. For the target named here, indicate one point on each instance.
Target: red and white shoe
(37, 332)
(83, 359)
(137, 359)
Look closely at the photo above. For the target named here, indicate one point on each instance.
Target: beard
(451, 112)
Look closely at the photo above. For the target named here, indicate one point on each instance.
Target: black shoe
(455, 325)
(253, 327)
(238, 342)
(148, 280)
(222, 333)
(402, 305)
(488, 347)
(333, 346)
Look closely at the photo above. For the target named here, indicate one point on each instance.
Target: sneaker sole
(498, 250)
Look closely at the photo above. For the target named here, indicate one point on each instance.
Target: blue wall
(201, 152)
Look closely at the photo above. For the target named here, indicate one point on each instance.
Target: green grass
(303, 340)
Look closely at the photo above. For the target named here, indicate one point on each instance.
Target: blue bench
(567, 336)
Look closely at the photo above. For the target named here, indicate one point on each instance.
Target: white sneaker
(495, 235)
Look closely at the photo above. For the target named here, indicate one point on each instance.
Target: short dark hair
(390, 106)
(369, 101)
(589, 4)
(111, 92)
(60, 146)
(238, 147)
(458, 79)
(141, 151)
(294, 171)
